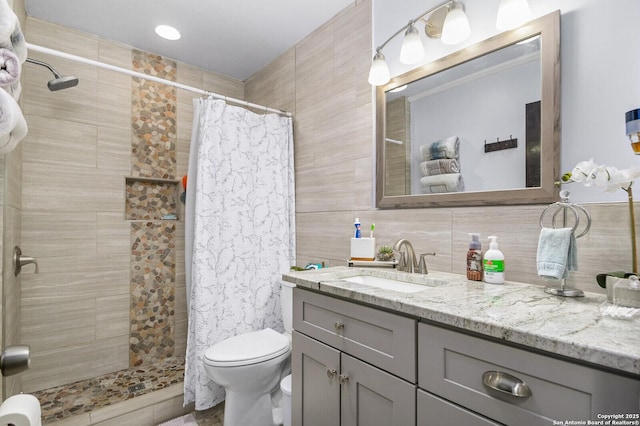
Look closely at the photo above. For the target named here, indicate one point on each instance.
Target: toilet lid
(247, 348)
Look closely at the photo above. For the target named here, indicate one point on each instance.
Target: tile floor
(84, 396)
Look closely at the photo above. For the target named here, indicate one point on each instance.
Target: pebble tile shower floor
(84, 396)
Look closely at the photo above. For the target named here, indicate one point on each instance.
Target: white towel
(11, 36)
(450, 182)
(439, 167)
(9, 68)
(13, 126)
(557, 253)
(445, 148)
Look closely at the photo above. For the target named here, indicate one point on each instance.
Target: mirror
(478, 127)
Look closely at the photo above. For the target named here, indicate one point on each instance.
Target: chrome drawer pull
(506, 383)
(331, 373)
(339, 326)
(344, 379)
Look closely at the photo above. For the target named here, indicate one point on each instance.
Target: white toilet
(250, 367)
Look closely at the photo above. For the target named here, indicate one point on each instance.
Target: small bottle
(358, 234)
(493, 263)
(627, 292)
(474, 258)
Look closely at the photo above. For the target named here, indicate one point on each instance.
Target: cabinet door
(434, 411)
(315, 389)
(372, 397)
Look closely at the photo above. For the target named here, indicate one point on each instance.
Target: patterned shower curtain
(239, 231)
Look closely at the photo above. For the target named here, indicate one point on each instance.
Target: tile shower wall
(153, 253)
(76, 313)
(323, 81)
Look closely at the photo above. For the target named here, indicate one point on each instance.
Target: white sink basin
(386, 283)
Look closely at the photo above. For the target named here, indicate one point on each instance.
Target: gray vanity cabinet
(467, 375)
(346, 364)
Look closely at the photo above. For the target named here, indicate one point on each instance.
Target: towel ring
(562, 207)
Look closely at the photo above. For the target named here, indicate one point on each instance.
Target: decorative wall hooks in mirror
(430, 137)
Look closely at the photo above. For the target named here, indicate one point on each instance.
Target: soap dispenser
(493, 263)
(474, 258)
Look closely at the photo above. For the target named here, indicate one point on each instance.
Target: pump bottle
(493, 263)
(474, 258)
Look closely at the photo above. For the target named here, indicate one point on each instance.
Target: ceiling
(231, 37)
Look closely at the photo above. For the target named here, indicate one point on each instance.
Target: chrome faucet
(407, 263)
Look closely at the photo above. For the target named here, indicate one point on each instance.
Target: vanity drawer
(385, 340)
(437, 411)
(452, 365)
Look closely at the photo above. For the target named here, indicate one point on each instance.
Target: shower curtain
(239, 231)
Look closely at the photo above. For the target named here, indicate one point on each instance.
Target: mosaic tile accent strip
(84, 396)
(153, 118)
(149, 200)
(153, 271)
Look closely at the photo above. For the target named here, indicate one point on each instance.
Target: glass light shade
(167, 32)
(379, 71)
(512, 14)
(456, 27)
(412, 49)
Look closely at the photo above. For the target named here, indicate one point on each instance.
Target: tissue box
(363, 248)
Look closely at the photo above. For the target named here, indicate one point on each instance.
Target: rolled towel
(451, 182)
(13, 126)
(439, 167)
(557, 253)
(444, 148)
(9, 68)
(11, 36)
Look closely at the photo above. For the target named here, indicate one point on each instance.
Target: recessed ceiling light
(168, 32)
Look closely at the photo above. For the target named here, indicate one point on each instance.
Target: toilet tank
(286, 304)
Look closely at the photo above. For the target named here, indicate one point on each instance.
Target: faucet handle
(402, 262)
(422, 265)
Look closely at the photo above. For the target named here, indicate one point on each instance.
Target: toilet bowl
(250, 366)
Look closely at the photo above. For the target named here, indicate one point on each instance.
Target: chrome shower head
(59, 82)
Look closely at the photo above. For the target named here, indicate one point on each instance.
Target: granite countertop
(514, 312)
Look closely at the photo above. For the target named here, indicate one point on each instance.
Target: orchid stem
(632, 218)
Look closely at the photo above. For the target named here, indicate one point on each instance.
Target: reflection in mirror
(477, 127)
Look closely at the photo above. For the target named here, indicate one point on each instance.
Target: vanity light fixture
(512, 14)
(448, 22)
(167, 32)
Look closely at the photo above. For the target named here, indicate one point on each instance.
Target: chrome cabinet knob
(344, 379)
(331, 373)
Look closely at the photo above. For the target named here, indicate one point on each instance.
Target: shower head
(59, 82)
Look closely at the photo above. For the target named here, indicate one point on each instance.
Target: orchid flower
(607, 178)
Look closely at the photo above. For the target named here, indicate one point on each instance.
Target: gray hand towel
(557, 253)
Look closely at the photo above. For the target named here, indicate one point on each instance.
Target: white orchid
(608, 178)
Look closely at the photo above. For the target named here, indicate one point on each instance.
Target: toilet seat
(248, 348)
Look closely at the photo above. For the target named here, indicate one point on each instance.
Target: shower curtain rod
(80, 59)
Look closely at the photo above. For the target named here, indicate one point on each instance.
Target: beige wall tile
(112, 233)
(142, 417)
(61, 366)
(61, 38)
(74, 320)
(130, 406)
(114, 149)
(112, 316)
(61, 142)
(118, 55)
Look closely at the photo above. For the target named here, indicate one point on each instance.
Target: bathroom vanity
(442, 350)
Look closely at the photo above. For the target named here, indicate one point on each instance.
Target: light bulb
(456, 27)
(379, 71)
(412, 49)
(512, 14)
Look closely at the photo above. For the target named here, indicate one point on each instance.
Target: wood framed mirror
(478, 127)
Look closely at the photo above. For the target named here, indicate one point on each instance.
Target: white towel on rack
(557, 253)
(10, 68)
(450, 182)
(11, 36)
(13, 126)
